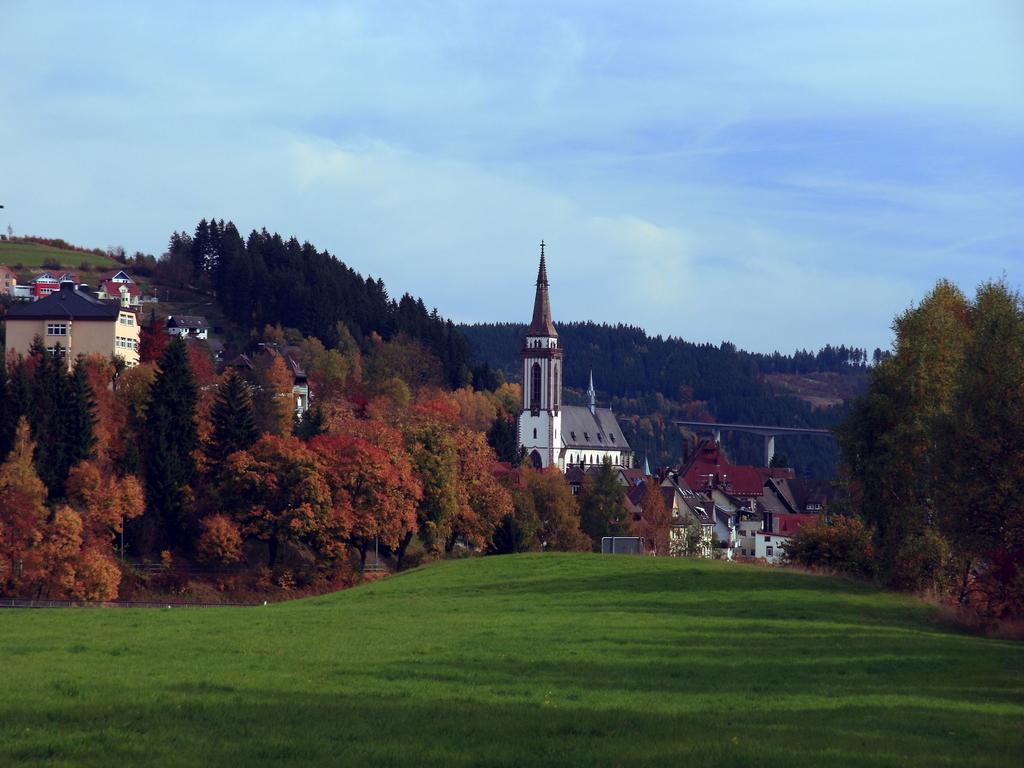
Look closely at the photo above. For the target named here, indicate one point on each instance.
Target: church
(550, 432)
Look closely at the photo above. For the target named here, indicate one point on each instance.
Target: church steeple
(592, 393)
(541, 324)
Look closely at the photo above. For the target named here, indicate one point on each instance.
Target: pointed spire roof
(592, 393)
(541, 324)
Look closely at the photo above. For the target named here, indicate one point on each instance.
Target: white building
(550, 432)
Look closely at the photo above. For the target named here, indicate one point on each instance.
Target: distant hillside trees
(651, 380)
(267, 280)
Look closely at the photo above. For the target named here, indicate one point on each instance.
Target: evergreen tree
(601, 503)
(50, 385)
(79, 419)
(311, 424)
(234, 423)
(503, 439)
(17, 402)
(171, 437)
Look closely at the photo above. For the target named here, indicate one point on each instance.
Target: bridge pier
(769, 449)
(718, 436)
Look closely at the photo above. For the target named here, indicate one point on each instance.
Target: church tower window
(535, 387)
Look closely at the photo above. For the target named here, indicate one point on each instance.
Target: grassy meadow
(510, 661)
(31, 256)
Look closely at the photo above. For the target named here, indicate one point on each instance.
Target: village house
(117, 283)
(73, 322)
(42, 285)
(771, 543)
(188, 326)
(8, 281)
(300, 381)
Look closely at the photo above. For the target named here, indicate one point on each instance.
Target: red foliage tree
(376, 477)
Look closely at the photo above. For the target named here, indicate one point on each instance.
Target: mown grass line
(525, 660)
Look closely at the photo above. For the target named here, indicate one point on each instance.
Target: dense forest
(267, 280)
(650, 380)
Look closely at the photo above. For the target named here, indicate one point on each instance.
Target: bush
(843, 545)
(50, 263)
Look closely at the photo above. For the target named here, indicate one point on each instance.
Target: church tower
(540, 420)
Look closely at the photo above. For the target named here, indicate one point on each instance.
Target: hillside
(511, 661)
(28, 258)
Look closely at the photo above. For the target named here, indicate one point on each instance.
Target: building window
(535, 387)
(768, 551)
(554, 400)
(127, 320)
(534, 433)
(56, 329)
(58, 351)
(767, 539)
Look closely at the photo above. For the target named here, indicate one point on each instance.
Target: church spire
(592, 393)
(541, 324)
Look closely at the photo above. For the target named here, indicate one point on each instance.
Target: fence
(16, 602)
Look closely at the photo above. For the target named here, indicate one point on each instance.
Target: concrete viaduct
(769, 433)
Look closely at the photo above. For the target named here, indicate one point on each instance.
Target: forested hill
(267, 279)
(652, 380)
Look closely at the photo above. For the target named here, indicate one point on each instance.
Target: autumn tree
(23, 516)
(104, 500)
(557, 511)
(273, 399)
(486, 502)
(376, 477)
(888, 440)
(278, 493)
(153, 339)
(220, 541)
(435, 458)
(655, 521)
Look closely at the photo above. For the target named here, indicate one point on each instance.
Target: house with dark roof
(300, 381)
(73, 322)
(188, 326)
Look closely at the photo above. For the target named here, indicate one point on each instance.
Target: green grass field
(32, 256)
(526, 660)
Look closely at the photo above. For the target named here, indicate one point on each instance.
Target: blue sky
(778, 174)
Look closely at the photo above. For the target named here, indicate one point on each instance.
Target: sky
(780, 175)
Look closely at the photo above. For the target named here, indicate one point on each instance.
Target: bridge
(769, 433)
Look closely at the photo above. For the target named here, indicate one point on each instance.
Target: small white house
(188, 326)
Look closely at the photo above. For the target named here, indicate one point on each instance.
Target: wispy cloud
(781, 175)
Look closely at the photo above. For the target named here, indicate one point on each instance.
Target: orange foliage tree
(376, 477)
(22, 517)
(655, 519)
(279, 494)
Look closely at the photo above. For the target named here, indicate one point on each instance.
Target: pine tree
(234, 423)
(171, 437)
(311, 424)
(79, 419)
(50, 386)
(17, 402)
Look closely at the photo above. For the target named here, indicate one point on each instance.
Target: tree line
(265, 279)
(933, 458)
(173, 463)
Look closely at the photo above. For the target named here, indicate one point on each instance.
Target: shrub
(843, 545)
(51, 263)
